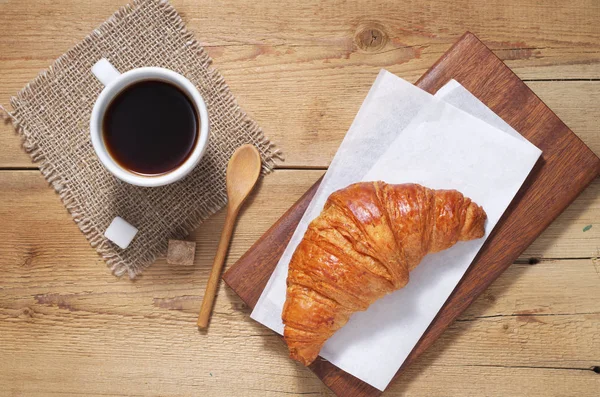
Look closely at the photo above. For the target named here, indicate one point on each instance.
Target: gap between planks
(545, 80)
(32, 168)
(278, 167)
(595, 368)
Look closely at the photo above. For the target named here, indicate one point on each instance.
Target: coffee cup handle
(105, 71)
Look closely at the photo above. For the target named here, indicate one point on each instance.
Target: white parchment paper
(458, 96)
(403, 134)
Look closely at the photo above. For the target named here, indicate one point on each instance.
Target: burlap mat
(52, 115)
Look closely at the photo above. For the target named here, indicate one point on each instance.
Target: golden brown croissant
(361, 247)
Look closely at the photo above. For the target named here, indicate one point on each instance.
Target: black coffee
(150, 127)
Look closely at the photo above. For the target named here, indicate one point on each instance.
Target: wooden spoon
(242, 173)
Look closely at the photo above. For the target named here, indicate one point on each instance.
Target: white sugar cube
(120, 232)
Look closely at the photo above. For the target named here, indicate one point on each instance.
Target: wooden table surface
(301, 69)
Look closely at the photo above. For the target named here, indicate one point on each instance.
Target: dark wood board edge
(247, 281)
(473, 283)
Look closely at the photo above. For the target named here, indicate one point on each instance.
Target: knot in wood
(370, 37)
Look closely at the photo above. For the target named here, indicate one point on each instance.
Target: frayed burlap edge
(117, 266)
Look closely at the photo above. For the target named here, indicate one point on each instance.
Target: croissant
(361, 247)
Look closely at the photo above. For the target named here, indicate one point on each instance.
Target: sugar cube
(120, 232)
(181, 252)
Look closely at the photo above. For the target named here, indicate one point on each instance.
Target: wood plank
(24, 192)
(495, 332)
(575, 233)
(564, 170)
(146, 362)
(304, 85)
(310, 127)
(57, 238)
(65, 321)
(527, 33)
(544, 289)
(421, 380)
(493, 381)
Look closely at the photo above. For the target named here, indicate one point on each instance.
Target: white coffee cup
(114, 83)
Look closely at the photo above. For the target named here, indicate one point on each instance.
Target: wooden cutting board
(566, 167)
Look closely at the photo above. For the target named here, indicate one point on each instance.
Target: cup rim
(114, 88)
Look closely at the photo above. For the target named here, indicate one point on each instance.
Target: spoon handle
(215, 274)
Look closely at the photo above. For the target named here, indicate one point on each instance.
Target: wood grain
(304, 84)
(58, 241)
(566, 167)
(310, 133)
(243, 172)
(301, 69)
(69, 327)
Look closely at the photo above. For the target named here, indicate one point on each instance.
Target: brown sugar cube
(181, 252)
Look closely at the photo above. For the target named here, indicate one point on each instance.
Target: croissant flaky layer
(361, 247)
